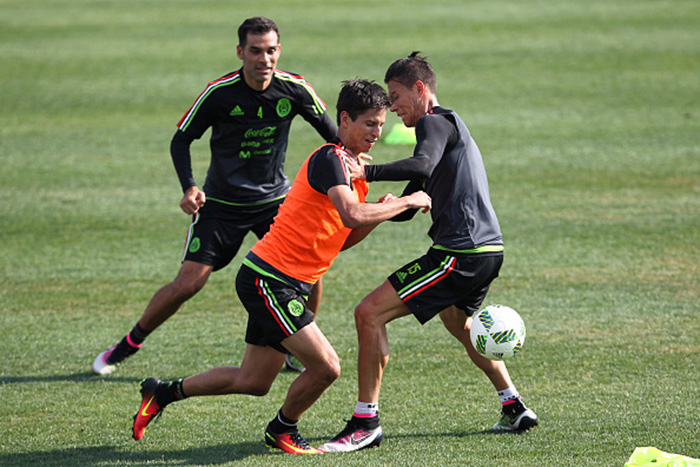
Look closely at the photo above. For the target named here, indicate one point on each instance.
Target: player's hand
(365, 158)
(193, 199)
(386, 197)
(420, 200)
(356, 168)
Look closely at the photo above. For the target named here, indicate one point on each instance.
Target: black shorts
(275, 310)
(217, 231)
(440, 279)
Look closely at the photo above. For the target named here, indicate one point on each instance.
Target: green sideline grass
(587, 113)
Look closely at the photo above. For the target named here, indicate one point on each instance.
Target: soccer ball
(497, 332)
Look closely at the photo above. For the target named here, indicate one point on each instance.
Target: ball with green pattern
(497, 332)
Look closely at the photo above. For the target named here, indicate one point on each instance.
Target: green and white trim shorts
(275, 310)
(442, 278)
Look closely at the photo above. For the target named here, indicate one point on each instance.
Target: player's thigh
(381, 305)
(312, 349)
(261, 365)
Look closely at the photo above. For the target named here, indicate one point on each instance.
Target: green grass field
(588, 116)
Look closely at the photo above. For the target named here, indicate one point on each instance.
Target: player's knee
(334, 369)
(325, 371)
(364, 315)
(186, 289)
(330, 373)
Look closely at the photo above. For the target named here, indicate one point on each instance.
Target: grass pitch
(588, 116)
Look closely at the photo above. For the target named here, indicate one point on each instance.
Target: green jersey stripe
(229, 203)
(319, 106)
(226, 81)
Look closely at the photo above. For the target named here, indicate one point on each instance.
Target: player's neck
(431, 103)
(352, 154)
(256, 85)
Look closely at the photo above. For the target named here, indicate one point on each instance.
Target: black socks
(128, 346)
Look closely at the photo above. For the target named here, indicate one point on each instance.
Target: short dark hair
(411, 69)
(257, 25)
(359, 95)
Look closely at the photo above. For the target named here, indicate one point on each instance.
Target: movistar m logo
(237, 111)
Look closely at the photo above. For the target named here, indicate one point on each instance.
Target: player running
(324, 212)
(250, 112)
(453, 277)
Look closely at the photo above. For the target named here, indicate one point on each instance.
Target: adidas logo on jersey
(236, 111)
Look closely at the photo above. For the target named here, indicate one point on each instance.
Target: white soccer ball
(497, 332)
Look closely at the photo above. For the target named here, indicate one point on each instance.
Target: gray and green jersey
(249, 132)
(447, 164)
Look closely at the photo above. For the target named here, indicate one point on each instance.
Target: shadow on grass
(206, 455)
(75, 377)
(111, 455)
(423, 436)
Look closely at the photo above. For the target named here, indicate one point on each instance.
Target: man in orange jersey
(324, 212)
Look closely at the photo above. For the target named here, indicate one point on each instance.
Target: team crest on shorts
(194, 245)
(295, 308)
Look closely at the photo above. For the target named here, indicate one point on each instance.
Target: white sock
(508, 394)
(365, 410)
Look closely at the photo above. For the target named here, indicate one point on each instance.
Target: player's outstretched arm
(355, 214)
(359, 233)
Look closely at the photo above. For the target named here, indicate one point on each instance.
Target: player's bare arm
(355, 214)
(359, 233)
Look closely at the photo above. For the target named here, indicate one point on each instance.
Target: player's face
(361, 134)
(259, 55)
(405, 102)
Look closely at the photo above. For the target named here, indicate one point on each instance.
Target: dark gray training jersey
(447, 164)
(249, 132)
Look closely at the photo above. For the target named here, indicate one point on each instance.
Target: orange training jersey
(307, 233)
